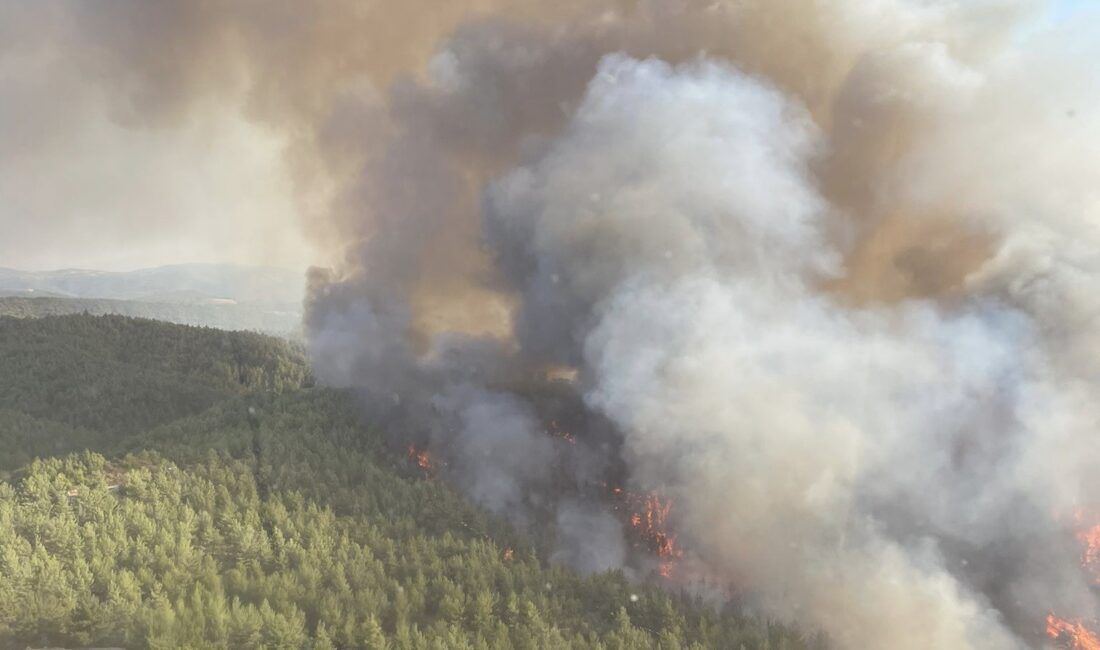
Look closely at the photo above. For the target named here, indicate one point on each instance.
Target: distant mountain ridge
(179, 283)
(257, 317)
(224, 296)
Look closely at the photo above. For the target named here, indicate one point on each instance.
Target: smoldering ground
(823, 274)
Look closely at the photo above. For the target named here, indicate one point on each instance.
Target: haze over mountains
(175, 283)
(226, 296)
(788, 305)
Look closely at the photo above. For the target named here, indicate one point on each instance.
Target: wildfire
(1075, 635)
(649, 519)
(1090, 540)
(558, 432)
(508, 554)
(422, 459)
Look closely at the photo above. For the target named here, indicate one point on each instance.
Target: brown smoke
(822, 271)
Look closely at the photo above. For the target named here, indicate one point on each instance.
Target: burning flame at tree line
(1090, 539)
(422, 459)
(648, 513)
(649, 519)
(1074, 634)
(648, 516)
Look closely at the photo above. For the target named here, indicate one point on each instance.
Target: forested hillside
(85, 378)
(242, 508)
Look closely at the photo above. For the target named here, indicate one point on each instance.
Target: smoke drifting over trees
(825, 273)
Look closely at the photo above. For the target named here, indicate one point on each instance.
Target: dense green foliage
(24, 438)
(272, 519)
(83, 375)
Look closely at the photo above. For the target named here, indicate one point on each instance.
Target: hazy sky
(81, 186)
(78, 189)
(1064, 8)
(108, 197)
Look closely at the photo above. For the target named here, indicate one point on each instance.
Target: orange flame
(422, 459)
(649, 518)
(507, 554)
(1075, 635)
(557, 432)
(1090, 539)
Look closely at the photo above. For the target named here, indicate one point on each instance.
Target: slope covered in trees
(87, 377)
(268, 517)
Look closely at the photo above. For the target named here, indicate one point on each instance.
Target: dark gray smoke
(832, 299)
(821, 273)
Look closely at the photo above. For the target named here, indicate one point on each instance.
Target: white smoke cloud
(853, 465)
(694, 247)
(851, 344)
(591, 538)
(825, 274)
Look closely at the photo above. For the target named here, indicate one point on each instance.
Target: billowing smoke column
(840, 311)
(823, 274)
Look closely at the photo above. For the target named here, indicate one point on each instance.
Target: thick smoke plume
(823, 274)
